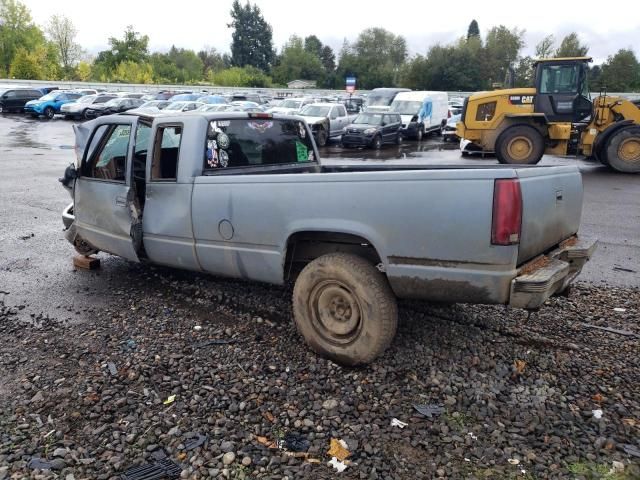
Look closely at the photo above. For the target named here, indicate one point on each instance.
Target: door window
(107, 155)
(166, 153)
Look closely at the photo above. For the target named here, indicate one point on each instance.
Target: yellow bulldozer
(556, 117)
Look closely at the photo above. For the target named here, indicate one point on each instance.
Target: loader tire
(520, 145)
(345, 308)
(622, 150)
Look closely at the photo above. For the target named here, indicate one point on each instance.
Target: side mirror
(70, 174)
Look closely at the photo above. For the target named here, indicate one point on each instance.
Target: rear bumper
(549, 274)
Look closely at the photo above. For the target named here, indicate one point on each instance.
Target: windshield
(369, 118)
(380, 99)
(405, 107)
(86, 99)
(254, 142)
(315, 111)
(113, 102)
(49, 96)
(291, 104)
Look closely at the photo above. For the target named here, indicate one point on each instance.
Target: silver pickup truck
(244, 195)
(326, 120)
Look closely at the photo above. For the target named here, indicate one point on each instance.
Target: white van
(421, 112)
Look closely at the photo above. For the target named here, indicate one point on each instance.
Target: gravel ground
(518, 392)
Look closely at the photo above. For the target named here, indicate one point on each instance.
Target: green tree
(178, 65)
(83, 71)
(212, 60)
(296, 62)
(17, 30)
(621, 72)
(132, 47)
(451, 67)
(524, 72)
(376, 58)
(129, 71)
(240, 77)
(502, 48)
(38, 64)
(328, 58)
(62, 34)
(473, 30)
(571, 47)
(544, 48)
(313, 45)
(252, 42)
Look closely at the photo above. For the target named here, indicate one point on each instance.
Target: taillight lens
(507, 212)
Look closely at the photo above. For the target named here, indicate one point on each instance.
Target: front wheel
(1, 109)
(399, 139)
(419, 134)
(622, 150)
(49, 113)
(377, 143)
(345, 309)
(322, 137)
(520, 144)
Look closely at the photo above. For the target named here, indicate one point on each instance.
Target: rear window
(253, 142)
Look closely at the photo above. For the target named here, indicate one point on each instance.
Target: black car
(116, 105)
(13, 99)
(373, 130)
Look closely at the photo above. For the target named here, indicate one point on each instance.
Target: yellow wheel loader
(555, 117)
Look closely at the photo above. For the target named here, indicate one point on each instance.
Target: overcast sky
(196, 24)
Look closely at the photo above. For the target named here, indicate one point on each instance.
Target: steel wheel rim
(520, 148)
(336, 313)
(629, 150)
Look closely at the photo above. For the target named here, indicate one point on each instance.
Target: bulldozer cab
(562, 91)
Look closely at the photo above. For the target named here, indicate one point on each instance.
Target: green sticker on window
(301, 152)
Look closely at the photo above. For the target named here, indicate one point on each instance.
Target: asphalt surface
(36, 261)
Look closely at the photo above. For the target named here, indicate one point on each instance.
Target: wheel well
(304, 247)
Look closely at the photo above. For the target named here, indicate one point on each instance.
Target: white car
(174, 107)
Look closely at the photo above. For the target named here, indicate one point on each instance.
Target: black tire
(85, 115)
(520, 145)
(419, 133)
(322, 137)
(622, 150)
(399, 139)
(376, 143)
(49, 113)
(345, 309)
(1, 109)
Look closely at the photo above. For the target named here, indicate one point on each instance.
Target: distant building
(301, 84)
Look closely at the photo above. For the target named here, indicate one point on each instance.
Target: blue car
(50, 104)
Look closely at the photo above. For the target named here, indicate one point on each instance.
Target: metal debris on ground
(430, 410)
(631, 450)
(296, 443)
(622, 269)
(619, 309)
(216, 341)
(197, 328)
(39, 463)
(597, 414)
(165, 469)
(112, 368)
(338, 449)
(514, 461)
(626, 333)
(195, 441)
(338, 465)
(170, 400)
(397, 423)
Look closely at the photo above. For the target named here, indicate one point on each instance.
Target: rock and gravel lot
(88, 358)
(518, 392)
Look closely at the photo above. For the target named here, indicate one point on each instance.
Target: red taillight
(507, 212)
(448, 113)
(260, 115)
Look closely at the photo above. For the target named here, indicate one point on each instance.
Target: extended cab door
(107, 212)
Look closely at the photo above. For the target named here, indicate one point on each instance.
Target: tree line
(377, 57)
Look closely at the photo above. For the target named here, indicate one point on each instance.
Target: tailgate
(551, 208)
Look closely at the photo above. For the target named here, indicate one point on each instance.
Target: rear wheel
(49, 113)
(622, 150)
(1, 109)
(345, 309)
(520, 144)
(399, 139)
